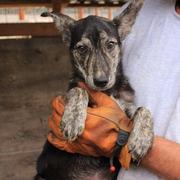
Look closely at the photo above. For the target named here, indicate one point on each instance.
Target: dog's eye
(82, 49)
(110, 45)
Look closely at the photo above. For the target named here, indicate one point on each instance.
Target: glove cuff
(121, 149)
(125, 157)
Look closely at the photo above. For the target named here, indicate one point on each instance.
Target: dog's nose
(100, 82)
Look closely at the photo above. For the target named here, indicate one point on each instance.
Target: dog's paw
(73, 125)
(73, 120)
(141, 137)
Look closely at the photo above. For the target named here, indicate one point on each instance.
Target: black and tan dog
(95, 50)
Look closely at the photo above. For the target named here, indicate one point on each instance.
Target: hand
(103, 124)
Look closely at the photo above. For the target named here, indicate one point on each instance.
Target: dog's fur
(95, 49)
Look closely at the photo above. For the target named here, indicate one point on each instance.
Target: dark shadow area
(32, 72)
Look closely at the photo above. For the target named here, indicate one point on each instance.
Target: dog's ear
(63, 24)
(125, 20)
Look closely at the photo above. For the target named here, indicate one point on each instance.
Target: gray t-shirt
(152, 62)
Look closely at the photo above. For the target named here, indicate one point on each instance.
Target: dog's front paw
(141, 137)
(73, 120)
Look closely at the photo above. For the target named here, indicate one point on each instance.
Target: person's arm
(164, 159)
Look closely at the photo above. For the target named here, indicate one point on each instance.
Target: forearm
(164, 159)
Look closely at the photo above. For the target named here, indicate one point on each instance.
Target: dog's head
(95, 44)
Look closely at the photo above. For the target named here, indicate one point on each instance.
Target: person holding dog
(151, 62)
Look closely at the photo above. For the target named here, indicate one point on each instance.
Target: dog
(95, 47)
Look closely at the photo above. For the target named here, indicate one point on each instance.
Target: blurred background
(34, 68)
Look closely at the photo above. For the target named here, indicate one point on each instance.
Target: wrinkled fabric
(151, 60)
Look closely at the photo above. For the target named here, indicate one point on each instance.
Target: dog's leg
(142, 132)
(141, 137)
(73, 120)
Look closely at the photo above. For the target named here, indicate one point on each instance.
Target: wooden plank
(29, 3)
(93, 5)
(56, 5)
(25, 1)
(33, 29)
(32, 3)
(4, 5)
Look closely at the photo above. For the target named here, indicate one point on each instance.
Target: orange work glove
(103, 124)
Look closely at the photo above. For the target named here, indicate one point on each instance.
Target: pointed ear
(127, 17)
(63, 24)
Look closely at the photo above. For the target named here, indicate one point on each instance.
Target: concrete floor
(32, 72)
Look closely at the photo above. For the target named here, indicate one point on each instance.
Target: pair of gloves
(101, 134)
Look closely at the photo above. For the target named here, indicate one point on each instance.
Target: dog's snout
(100, 82)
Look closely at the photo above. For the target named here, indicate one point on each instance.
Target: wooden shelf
(25, 29)
(45, 29)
